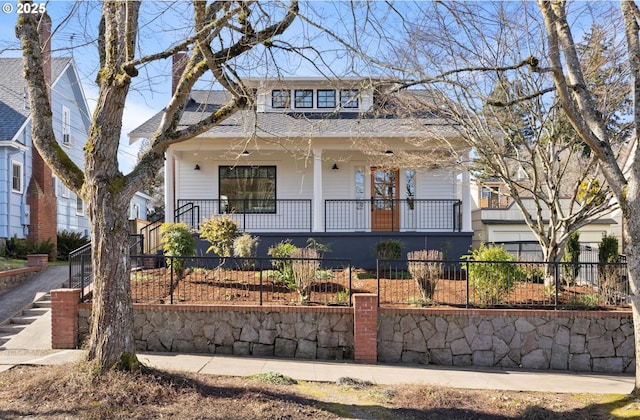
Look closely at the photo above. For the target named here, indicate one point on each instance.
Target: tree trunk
(551, 257)
(631, 219)
(111, 341)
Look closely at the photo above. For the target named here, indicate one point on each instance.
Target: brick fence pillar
(365, 327)
(38, 260)
(64, 318)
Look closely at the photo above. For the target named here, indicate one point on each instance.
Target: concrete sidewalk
(32, 346)
(327, 371)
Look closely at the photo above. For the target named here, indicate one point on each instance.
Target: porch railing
(394, 215)
(283, 215)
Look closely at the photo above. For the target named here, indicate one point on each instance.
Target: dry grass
(72, 392)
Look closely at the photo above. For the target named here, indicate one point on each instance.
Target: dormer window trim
(326, 98)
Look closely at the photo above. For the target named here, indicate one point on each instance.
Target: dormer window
(349, 98)
(304, 98)
(280, 98)
(326, 98)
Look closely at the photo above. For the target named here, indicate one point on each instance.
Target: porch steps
(13, 326)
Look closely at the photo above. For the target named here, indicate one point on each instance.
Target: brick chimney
(40, 194)
(179, 63)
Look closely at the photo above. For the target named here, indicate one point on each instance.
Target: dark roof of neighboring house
(14, 107)
(387, 117)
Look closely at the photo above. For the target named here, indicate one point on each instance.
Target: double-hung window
(16, 177)
(247, 189)
(66, 126)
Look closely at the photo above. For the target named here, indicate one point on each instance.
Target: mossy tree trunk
(102, 186)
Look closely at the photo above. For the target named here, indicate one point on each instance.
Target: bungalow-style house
(33, 203)
(327, 159)
(497, 219)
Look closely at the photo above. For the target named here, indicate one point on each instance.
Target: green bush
(388, 250)
(20, 248)
(220, 232)
(283, 251)
(571, 255)
(611, 282)
(69, 241)
(177, 241)
(491, 273)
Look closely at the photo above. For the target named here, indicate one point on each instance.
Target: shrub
(611, 282)
(69, 241)
(425, 270)
(246, 246)
(304, 265)
(20, 248)
(491, 273)
(177, 241)
(571, 255)
(388, 250)
(219, 231)
(283, 252)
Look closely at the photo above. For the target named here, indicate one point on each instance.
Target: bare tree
(578, 99)
(219, 35)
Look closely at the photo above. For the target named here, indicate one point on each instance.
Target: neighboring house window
(410, 177)
(280, 98)
(79, 206)
(326, 98)
(349, 99)
(304, 98)
(247, 189)
(64, 190)
(16, 177)
(66, 126)
(135, 211)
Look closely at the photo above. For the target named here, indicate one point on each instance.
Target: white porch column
(318, 204)
(466, 202)
(169, 187)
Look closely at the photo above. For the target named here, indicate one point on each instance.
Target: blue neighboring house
(19, 166)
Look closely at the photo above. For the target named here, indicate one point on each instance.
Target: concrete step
(23, 320)
(36, 311)
(11, 328)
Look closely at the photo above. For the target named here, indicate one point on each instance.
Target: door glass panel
(384, 189)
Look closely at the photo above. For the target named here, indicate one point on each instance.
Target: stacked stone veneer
(577, 341)
(291, 332)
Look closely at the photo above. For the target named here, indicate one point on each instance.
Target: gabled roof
(382, 120)
(14, 106)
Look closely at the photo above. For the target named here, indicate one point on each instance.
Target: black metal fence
(256, 214)
(513, 284)
(252, 281)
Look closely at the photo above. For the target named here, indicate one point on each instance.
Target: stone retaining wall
(11, 278)
(594, 341)
(291, 332)
(569, 340)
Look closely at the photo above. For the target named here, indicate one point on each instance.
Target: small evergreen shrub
(491, 273)
(388, 250)
(611, 283)
(19, 248)
(425, 270)
(571, 256)
(68, 242)
(177, 241)
(220, 232)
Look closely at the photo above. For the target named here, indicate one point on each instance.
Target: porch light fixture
(388, 152)
(197, 168)
(245, 153)
(335, 167)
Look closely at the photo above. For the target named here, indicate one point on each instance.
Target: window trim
(303, 97)
(325, 91)
(350, 98)
(16, 164)
(282, 97)
(222, 210)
